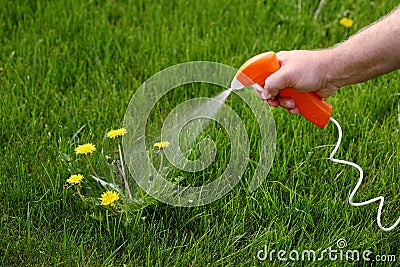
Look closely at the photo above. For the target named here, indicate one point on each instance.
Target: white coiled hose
(381, 199)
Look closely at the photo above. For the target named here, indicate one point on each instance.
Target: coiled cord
(381, 199)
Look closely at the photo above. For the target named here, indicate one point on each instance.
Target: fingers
(299, 69)
(289, 104)
(273, 102)
(284, 102)
(277, 80)
(294, 110)
(273, 84)
(264, 95)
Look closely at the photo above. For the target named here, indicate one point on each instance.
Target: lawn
(68, 70)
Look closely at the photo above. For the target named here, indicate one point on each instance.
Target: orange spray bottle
(254, 72)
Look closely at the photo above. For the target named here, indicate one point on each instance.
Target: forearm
(371, 52)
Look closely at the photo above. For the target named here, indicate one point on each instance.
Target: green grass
(65, 64)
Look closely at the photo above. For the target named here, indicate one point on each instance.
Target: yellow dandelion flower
(109, 197)
(75, 179)
(346, 22)
(116, 133)
(85, 149)
(162, 144)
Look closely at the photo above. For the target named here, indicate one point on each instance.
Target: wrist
(332, 65)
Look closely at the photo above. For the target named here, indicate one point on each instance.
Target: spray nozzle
(237, 85)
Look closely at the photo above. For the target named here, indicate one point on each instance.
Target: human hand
(302, 70)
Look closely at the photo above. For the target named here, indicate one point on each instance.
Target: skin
(373, 51)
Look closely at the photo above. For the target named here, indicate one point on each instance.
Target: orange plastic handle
(310, 105)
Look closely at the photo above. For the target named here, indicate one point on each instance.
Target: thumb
(275, 82)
